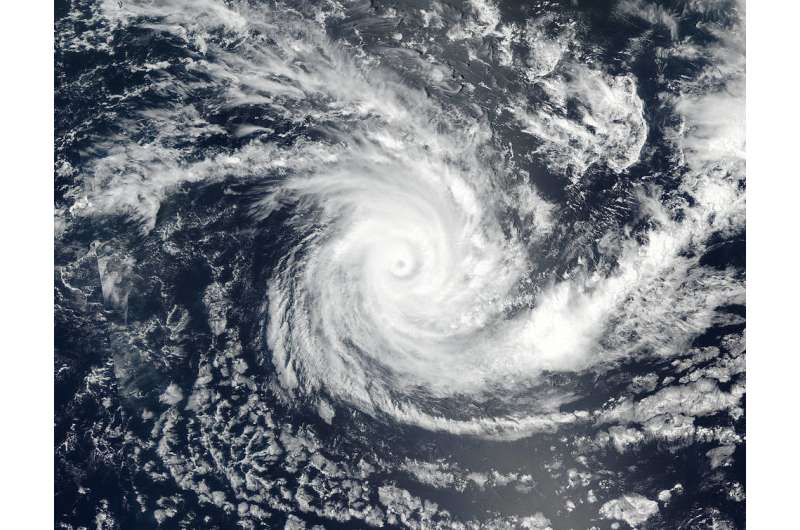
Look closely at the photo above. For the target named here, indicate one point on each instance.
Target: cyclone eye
(403, 267)
(399, 259)
(400, 267)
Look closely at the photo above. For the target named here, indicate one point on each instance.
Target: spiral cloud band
(402, 289)
(423, 269)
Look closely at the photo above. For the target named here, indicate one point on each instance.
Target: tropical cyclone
(290, 233)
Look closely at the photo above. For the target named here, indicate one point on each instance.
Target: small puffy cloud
(632, 508)
(172, 395)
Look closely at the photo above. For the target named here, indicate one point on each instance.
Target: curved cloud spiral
(399, 287)
(403, 291)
